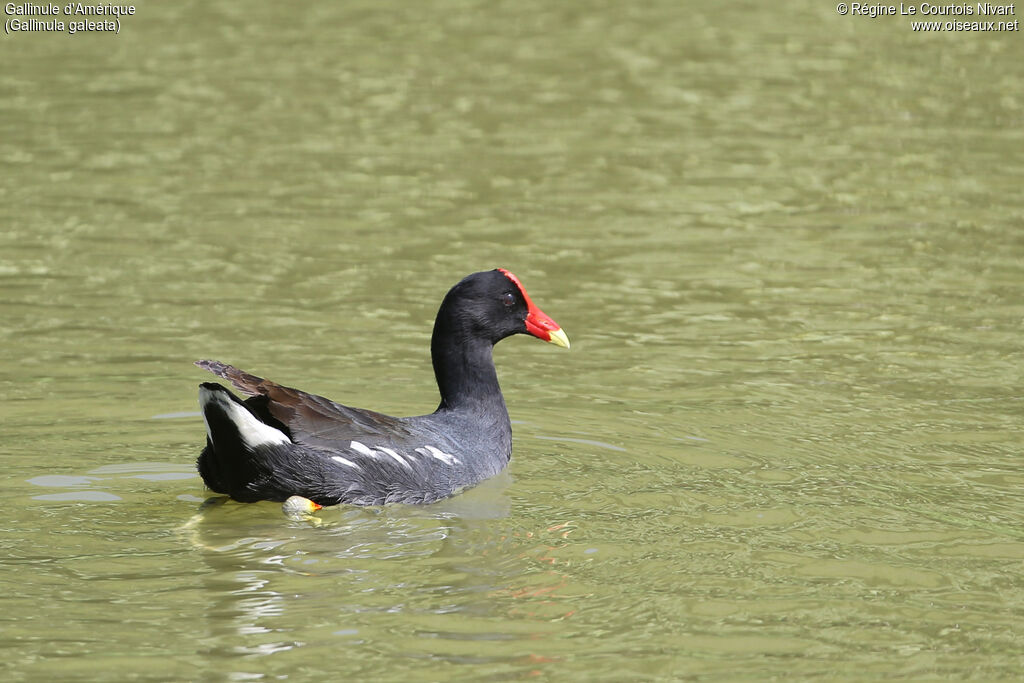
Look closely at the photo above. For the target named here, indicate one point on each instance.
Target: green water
(786, 244)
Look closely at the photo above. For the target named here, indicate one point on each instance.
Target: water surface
(786, 246)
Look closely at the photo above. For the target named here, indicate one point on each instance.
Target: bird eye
(508, 298)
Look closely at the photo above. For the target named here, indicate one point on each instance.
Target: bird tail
(229, 422)
(234, 435)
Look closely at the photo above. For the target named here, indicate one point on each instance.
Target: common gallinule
(282, 442)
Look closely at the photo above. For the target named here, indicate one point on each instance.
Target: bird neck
(464, 368)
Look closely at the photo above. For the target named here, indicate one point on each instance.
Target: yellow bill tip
(558, 337)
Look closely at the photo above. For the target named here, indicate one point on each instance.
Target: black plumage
(281, 442)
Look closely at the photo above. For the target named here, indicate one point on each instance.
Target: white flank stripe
(446, 458)
(361, 448)
(344, 461)
(399, 459)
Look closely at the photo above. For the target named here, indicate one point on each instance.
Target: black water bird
(282, 442)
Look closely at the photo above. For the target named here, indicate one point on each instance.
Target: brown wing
(310, 419)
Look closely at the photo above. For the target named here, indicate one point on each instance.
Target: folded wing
(307, 418)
